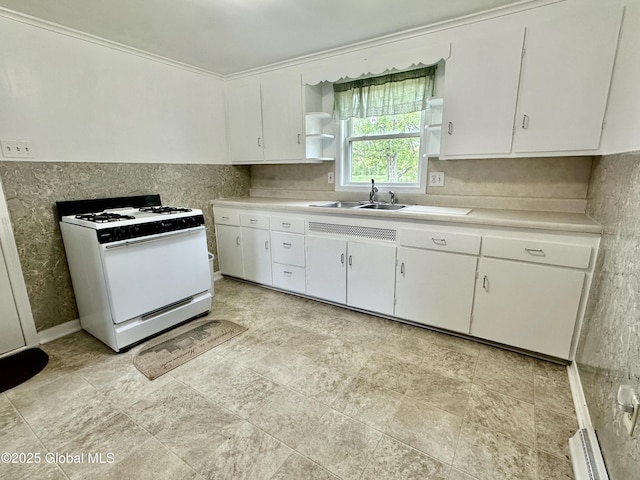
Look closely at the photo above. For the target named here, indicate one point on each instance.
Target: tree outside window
(385, 148)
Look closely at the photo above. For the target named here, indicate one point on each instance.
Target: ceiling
(229, 36)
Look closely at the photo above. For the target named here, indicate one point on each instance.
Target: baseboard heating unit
(586, 456)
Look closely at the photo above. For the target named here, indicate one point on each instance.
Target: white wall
(75, 100)
(622, 130)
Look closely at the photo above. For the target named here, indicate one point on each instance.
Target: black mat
(20, 367)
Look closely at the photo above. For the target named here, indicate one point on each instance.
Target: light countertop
(559, 221)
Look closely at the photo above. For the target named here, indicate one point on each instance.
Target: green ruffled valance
(390, 94)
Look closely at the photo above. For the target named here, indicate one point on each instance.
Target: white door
(244, 113)
(282, 117)
(371, 276)
(229, 244)
(326, 269)
(435, 288)
(256, 253)
(528, 306)
(10, 330)
(565, 82)
(481, 89)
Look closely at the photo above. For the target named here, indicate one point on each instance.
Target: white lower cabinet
(521, 288)
(355, 273)
(371, 276)
(229, 242)
(435, 288)
(327, 269)
(528, 306)
(256, 255)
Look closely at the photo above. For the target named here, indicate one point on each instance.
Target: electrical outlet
(330, 177)
(16, 149)
(436, 179)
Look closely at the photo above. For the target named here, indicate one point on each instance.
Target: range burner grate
(164, 209)
(104, 217)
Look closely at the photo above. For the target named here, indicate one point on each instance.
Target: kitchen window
(382, 120)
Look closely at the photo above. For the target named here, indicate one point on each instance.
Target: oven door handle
(155, 238)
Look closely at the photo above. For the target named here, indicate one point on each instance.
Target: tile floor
(310, 391)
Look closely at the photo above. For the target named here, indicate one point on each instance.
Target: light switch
(16, 149)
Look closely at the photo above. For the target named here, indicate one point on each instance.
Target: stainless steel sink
(382, 206)
(337, 204)
(367, 206)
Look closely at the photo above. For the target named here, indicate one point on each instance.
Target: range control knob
(121, 233)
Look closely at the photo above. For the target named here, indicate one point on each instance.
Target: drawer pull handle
(266, 244)
(402, 268)
(450, 128)
(350, 261)
(342, 258)
(285, 225)
(286, 245)
(253, 221)
(238, 241)
(485, 284)
(225, 218)
(525, 121)
(439, 241)
(536, 252)
(287, 273)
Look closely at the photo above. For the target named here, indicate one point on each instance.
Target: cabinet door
(244, 115)
(256, 252)
(326, 269)
(565, 82)
(481, 89)
(528, 306)
(10, 328)
(435, 288)
(229, 250)
(371, 276)
(282, 117)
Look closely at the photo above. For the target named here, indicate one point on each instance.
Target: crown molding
(518, 7)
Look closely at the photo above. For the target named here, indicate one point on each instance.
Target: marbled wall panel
(32, 188)
(609, 347)
(546, 184)
(545, 177)
(306, 176)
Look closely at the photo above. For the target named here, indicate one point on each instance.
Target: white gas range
(137, 267)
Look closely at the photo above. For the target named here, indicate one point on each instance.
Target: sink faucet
(393, 197)
(372, 193)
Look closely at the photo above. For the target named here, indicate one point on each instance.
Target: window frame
(343, 172)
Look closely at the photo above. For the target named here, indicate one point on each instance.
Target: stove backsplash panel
(32, 188)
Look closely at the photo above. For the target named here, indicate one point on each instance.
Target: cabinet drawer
(287, 248)
(286, 224)
(550, 253)
(226, 216)
(442, 241)
(254, 220)
(289, 277)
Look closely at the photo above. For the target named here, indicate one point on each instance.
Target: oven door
(149, 273)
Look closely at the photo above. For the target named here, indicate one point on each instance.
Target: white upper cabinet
(265, 118)
(244, 113)
(282, 117)
(566, 73)
(480, 93)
